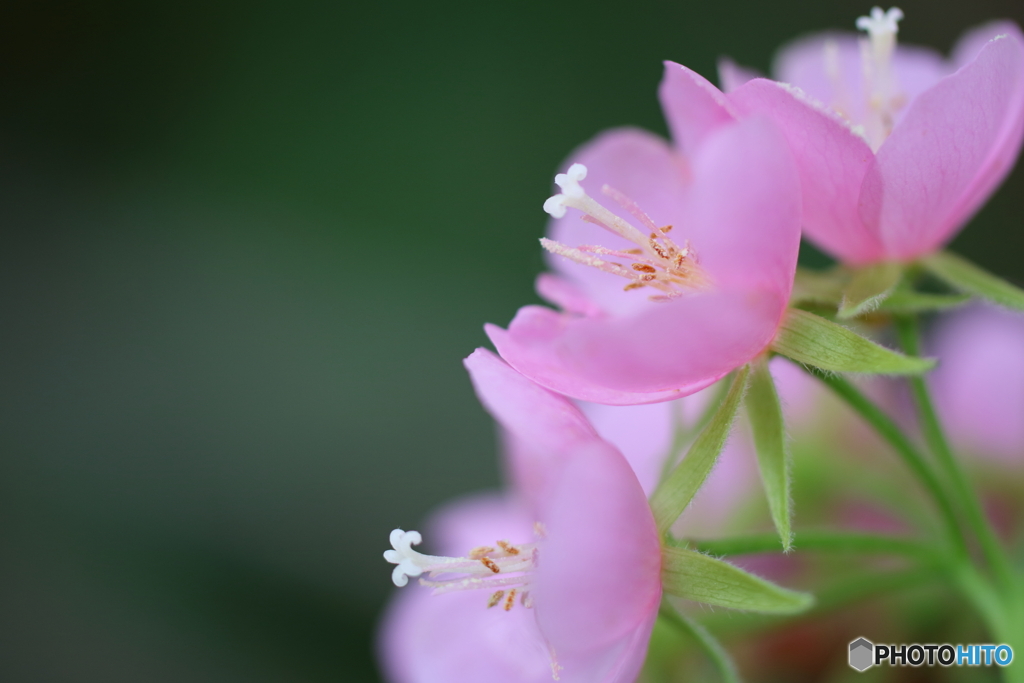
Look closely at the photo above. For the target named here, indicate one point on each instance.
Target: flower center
(884, 96)
(504, 569)
(656, 262)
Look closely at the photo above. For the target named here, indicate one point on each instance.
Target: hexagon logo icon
(862, 654)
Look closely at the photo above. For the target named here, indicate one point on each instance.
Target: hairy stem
(935, 437)
(904, 447)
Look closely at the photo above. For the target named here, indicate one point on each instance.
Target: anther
(510, 600)
(495, 598)
(643, 268)
(508, 548)
(480, 551)
(489, 563)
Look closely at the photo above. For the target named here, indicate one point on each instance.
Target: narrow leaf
(676, 491)
(695, 576)
(961, 274)
(766, 423)
(820, 287)
(869, 287)
(810, 339)
(906, 301)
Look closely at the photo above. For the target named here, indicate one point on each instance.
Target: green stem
(904, 447)
(934, 436)
(825, 541)
(708, 642)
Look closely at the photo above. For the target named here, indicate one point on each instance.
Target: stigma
(884, 97)
(505, 570)
(657, 262)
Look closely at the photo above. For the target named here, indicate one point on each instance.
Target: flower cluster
(678, 301)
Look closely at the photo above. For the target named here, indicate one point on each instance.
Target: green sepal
(908, 301)
(765, 413)
(676, 491)
(695, 576)
(964, 276)
(868, 287)
(813, 340)
(818, 286)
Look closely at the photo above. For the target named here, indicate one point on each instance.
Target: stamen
(658, 261)
(876, 53)
(508, 566)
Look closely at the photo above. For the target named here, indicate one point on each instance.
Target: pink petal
(545, 427)
(731, 75)
(743, 216)
(475, 520)
(644, 168)
(832, 161)
(619, 662)
(979, 384)
(973, 40)
(693, 106)
(565, 295)
(803, 63)
(665, 352)
(954, 146)
(642, 433)
(599, 579)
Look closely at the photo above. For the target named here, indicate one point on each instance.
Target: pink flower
(979, 385)
(897, 147)
(693, 286)
(582, 590)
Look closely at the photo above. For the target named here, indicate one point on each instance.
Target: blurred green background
(245, 247)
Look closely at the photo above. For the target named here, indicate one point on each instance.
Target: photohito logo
(864, 654)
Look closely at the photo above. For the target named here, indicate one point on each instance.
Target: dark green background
(245, 248)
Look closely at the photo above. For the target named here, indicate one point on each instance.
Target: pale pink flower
(582, 588)
(897, 146)
(979, 384)
(693, 285)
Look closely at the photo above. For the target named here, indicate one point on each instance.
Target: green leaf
(812, 340)
(696, 576)
(962, 275)
(869, 287)
(820, 287)
(765, 414)
(676, 491)
(907, 301)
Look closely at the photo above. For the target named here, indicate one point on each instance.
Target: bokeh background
(245, 247)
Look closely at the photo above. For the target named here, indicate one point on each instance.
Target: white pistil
(657, 262)
(505, 566)
(876, 53)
